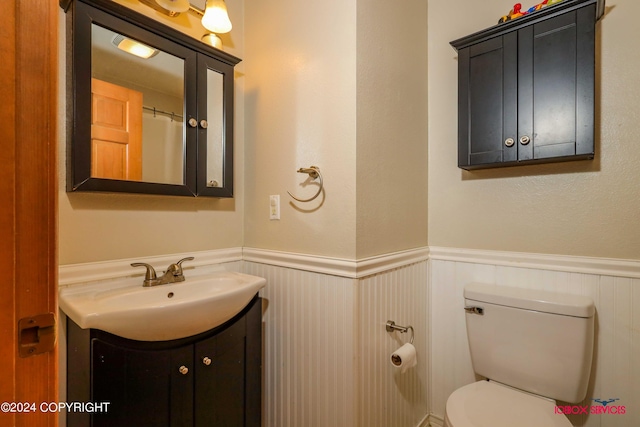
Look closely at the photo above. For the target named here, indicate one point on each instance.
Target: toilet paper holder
(391, 327)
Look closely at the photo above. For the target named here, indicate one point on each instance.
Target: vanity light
(134, 47)
(175, 5)
(212, 40)
(216, 18)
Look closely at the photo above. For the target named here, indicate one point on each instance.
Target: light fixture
(175, 5)
(133, 47)
(212, 40)
(216, 18)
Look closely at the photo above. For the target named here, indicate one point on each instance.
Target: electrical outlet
(274, 207)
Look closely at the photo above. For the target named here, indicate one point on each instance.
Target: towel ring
(314, 172)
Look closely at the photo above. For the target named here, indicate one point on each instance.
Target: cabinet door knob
(204, 124)
(524, 140)
(183, 370)
(509, 142)
(193, 122)
(206, 361)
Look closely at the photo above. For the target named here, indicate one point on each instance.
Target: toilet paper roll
(404, 358)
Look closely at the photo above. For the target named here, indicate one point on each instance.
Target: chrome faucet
(172, 275)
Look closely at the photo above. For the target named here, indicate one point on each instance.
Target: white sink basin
(124, 307)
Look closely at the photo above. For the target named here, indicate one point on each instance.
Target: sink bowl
(125, 308)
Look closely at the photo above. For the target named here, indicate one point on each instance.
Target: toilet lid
(488, 404)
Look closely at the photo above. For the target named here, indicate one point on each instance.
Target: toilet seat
(489, 404)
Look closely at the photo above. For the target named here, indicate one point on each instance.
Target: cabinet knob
(183, 370)
(206, 361)
(193, 122)
(524, 140)
(204, 124)
(509, 142)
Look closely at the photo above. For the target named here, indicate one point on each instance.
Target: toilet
(532, 347)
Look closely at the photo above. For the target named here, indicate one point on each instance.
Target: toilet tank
(537, 341)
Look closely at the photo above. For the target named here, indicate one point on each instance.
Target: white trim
(566, 263)
(336, 266)
(92, 271)
(353, 269)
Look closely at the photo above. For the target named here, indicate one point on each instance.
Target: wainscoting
(327, 352)
(613, 285)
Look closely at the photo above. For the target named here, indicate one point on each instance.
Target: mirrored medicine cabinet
(150, 110)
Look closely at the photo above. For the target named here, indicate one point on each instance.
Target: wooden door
(28, 212)
(116, 132)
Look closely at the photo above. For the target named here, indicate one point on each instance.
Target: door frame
(28, 210)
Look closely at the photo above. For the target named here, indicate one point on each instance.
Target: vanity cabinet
(211, 379)
(526, 88)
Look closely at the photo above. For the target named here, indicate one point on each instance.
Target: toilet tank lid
(531, 299)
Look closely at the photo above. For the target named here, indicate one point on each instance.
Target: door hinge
(36, 334)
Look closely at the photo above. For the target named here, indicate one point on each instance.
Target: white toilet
(534, 348)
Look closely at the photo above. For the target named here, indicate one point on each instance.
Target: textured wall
(585, 208)
(350, 99)
(391, 127)
(300, 111)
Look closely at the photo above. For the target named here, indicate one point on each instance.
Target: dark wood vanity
(210, 379)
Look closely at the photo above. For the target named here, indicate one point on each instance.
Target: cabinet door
(220, 392)
(144, 388)
(215, 139)
(487, 102)
(556, 86)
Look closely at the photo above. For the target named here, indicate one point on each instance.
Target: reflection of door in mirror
(159, 79)
(116, 132)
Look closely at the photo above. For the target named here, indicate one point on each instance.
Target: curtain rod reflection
(166, 113)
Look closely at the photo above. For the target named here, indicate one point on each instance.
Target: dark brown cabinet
(211, 379)
(526, 88)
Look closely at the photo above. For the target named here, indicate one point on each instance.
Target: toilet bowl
(490, 404)
(533, 347)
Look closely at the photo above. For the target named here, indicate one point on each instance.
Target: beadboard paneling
(326, 360)
(388, 397)
(616, 368)
(308, 365)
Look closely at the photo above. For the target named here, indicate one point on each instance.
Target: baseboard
(434, 421)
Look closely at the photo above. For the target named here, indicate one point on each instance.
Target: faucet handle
(189, 258)
(179, 265)
(176, 269)
(150, 274)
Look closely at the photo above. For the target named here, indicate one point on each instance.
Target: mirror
(151, 109)
(137, 110)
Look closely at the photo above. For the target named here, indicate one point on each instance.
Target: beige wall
(588, 208)
(391, 126)
(333, 84)
(97, 227)
(300, 111)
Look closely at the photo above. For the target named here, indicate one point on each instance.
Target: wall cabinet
(150, 110)
(526, 88)
(212, 379)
